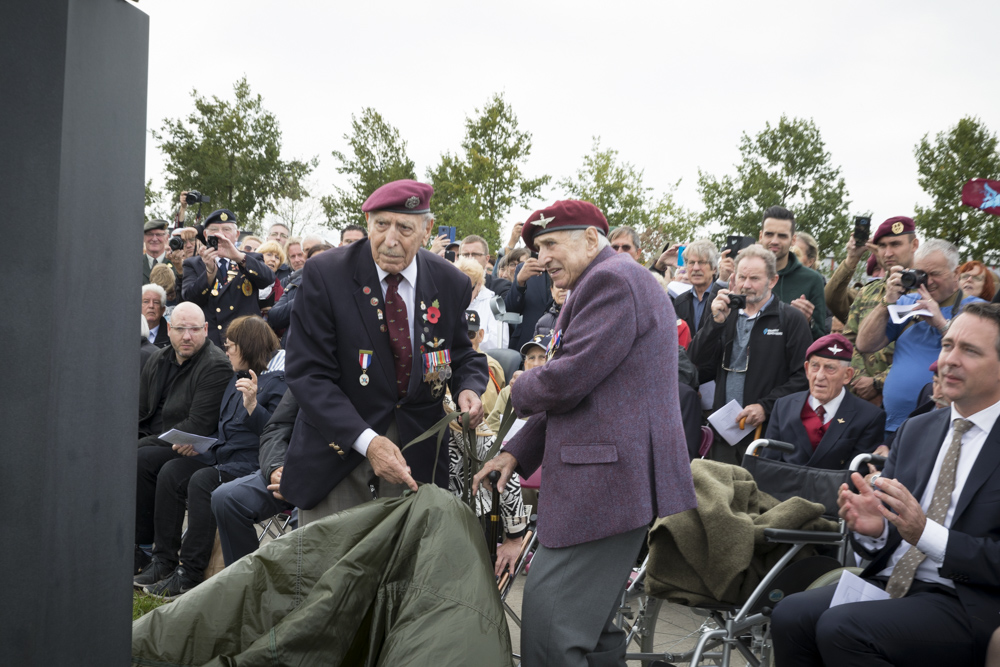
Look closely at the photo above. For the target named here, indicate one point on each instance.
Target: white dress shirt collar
(984, 419)
(830, 406)
(409, 273)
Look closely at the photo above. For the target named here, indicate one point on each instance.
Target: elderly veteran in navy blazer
(828, 425)
(224, 281)
(605, 427)
(377, 333)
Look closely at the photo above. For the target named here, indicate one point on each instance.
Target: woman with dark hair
(251, 397)
(976, 280)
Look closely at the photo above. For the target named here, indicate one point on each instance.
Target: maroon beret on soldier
(831, 346)
(563, 216)
(895, 227)
(403, 196)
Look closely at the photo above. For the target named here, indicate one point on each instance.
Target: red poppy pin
(433, 315)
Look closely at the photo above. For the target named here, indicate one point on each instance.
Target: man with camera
(154, 246)
(895, 241)
(754, 346)
(223, 280)
(933, 287)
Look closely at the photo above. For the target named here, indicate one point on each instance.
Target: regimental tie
(399, 333)
(906, 568)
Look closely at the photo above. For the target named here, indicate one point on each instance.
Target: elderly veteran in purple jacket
(605, 426)
(377, 333)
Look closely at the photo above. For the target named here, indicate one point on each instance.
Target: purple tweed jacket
(605, 421)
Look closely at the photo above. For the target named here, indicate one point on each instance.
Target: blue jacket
(531, 301)
(239, 433)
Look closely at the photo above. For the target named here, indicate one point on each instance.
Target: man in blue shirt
(918, 339)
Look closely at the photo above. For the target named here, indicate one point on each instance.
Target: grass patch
(143, 604)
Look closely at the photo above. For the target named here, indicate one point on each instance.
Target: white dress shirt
(934, 540)
(407, 290)
(830, 406)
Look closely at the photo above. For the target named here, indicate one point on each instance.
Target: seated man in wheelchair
(828, 425)
(930, 526)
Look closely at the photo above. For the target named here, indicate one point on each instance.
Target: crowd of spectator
(818, 361)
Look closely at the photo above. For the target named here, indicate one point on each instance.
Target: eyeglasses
(738, 370)
(161, 235)
(471, 255)
(625, 247)
(277, 235)
(183, 330)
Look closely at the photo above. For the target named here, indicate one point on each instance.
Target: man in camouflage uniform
(897, 242)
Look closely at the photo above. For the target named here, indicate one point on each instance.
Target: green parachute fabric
(399, 581)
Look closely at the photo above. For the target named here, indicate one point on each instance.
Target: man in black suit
(934, 544)
(828, 425)
(377, 332)
(154, 305)
(225, 282)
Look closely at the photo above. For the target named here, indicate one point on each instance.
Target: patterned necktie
(223, 272)
(906, 568)
(399, 333)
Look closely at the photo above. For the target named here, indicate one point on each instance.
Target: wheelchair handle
(861, 459)
(770, 444)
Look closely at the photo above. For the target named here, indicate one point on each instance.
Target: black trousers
(149, 462)
(927, 627)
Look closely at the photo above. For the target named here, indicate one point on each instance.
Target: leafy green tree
(476, 189)
(617, 188)
(786, 165)
(967, 150)
(378, 156)
(155, 203)
(230, 150)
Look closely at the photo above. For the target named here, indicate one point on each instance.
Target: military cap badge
(223, 217)
(897, 228)
(412, 202)
(542, 220)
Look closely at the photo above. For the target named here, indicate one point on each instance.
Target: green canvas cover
(399, 581)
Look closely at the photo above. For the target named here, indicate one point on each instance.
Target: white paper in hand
(514, 428)
(852, 588)
(724, 421)
(900, 314)
(200, 443)
(676, 288)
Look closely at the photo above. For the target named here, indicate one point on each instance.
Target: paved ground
(676, 626)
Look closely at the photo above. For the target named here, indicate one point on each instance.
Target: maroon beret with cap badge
(895, 227)
(403, 196)
(831, 346)
(562, 216)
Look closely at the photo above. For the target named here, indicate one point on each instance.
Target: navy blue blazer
(232, 300)
(334, 317)
(972, 558)
(857, 428)
(239, 433)
(531, 301)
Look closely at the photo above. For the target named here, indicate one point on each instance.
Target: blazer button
(220, 326)
(218, 310)
(231, 308)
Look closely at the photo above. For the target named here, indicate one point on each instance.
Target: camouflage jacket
(875, 364)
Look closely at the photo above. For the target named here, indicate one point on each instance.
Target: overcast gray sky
(670, 85)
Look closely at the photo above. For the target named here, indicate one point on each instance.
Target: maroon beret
(403, 196)
(872, 265)
(894, 227)
(831, 346)
(563, 216)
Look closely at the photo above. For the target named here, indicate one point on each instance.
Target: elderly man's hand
(860, 510)
(388, 462)
(936, 319)
(720, 306)
(208, 256)
(229, 250)
(503, 462)
(754, 415)
(507, 554)
(468, 401)
(804, 306)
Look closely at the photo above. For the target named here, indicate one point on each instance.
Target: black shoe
(174, 586)
(141, 560)
(154, 572)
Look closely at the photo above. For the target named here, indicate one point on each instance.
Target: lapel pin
(839, 420)
(366, 289)
(374, 301)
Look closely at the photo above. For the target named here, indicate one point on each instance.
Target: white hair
(602, 240)
(162, 293)
(702, 249)
(947, 249)
(145, 327)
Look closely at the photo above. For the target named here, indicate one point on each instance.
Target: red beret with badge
(831, 346)
(404, 196)
(563, 216)
(895, 227)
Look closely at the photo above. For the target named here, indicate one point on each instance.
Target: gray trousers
(353, 490)
(570, 599)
